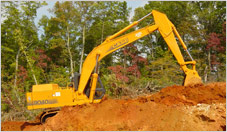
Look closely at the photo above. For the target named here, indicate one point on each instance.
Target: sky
(44, 10)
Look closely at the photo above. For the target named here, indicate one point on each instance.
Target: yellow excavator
(84, 87)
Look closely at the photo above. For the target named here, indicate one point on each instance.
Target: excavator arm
(53, 96)
(113, 43)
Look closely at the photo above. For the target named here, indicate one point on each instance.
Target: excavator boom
(52, 96)
(111, 44)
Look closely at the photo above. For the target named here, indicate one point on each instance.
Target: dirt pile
(211, 93)
(199, 108)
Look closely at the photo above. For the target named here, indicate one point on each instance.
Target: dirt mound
(199, 108)
(211, 93)
(19, 126)
(12, 126)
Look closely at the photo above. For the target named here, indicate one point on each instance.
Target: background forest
(144, 66)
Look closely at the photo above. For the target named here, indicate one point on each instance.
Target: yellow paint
(93, 86)
(162, 24)
(44, 87)
(68, 96)
(54, 98)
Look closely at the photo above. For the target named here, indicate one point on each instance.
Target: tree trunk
(70, 54)
(20, 42)
(34, 77)
(209, 63)
(124, 61)
(10, 102)
(124, 64)
(82, 51)
(205, 75)
(15, 78)
(102, 31)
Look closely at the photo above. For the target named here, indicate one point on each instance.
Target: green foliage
(109, 81)
(5, 107)
(165, 71)
(59, 75)
(27, 59)
(194, 22)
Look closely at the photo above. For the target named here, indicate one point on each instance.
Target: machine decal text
(118, 44)
(42, 102)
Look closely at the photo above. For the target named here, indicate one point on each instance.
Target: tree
(84, 12)
(210, 18)
(19, 39)
(136, 63)
(65, 15)
(110, 17)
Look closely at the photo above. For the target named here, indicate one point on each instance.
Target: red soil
(198, 108)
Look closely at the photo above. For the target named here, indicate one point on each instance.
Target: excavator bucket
(192, 78)
(168, 32)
